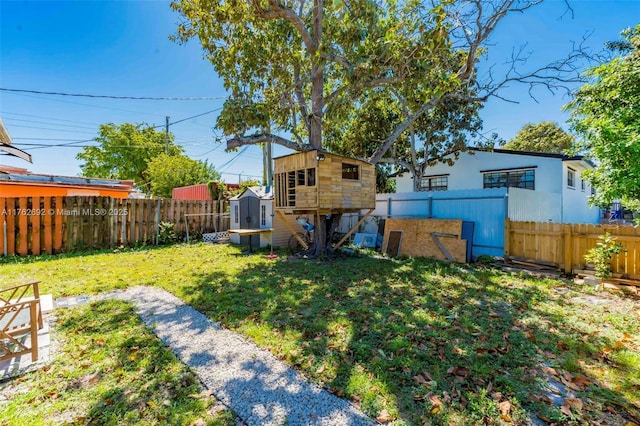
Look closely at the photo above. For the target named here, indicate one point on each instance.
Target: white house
(542, 186)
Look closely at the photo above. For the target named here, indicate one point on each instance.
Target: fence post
(507, 236)
(157, 220)
(568, 250)
(430, 206)
(389, 207)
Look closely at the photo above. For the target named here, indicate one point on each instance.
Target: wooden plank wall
(418, 241)
(567, 244)
(36, 225)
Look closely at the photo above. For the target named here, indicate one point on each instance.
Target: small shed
(252, 209)
(323, 183)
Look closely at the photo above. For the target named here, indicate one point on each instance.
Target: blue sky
(121, 48)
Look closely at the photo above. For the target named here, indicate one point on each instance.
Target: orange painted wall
(35, 190)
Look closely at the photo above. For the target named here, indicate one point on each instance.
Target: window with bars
(236, 214)
(434, 183)
(525, 179)
(263, 215)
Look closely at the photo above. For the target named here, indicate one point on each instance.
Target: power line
(48, 118)
(54, 130)
(83, 104)
(137, 98)
(48, 139)
(49, 124)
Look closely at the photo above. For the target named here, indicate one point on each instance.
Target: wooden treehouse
(315, 183)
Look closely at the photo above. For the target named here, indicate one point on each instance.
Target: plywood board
(418, 241)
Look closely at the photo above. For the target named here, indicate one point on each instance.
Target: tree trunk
(317, 80)
(323, 235)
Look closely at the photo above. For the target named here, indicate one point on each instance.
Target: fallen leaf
(458, 351)
(419, 379)
(506, 418)
(90, 380)
(152, 405)
(320, 370)
(581, 381)
(566, 410)
(504, 407)
(199, 422)
(574, 403)
(496, 396)
(434, 400)
(384, 416)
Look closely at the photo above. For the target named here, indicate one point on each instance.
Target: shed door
(250, 219)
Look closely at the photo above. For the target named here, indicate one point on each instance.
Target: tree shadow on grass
(368, 329)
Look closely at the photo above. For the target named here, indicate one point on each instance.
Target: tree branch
(388, 142)
(302, 101)
(238, 141)
(277, 10)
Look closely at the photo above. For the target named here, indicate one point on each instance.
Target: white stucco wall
(466, 171)
(575, 201)
(550, 178)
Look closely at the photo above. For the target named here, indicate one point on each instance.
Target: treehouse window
(350, 171)
(301, 178)
(311, 177)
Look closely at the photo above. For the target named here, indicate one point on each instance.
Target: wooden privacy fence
(567, 244)
(35, 225)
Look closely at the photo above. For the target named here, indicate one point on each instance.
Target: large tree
(166, 172)
(606, 116)
(545, 136)
(295, 66)
(124, 152)
(298, 67)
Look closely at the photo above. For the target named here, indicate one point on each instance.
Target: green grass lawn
(413, 340)
(109, 370)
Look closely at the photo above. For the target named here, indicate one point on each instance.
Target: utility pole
(166, 136)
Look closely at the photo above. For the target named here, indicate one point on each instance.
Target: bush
(167, 233)
(602, 254)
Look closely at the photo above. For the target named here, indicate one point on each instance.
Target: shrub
(602, 253)
(167, 233)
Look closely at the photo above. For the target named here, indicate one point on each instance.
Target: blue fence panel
(487, 208)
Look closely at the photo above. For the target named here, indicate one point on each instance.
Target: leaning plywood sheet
(436, 238)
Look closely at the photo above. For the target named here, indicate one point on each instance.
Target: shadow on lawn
(395, 333)
(143, 381)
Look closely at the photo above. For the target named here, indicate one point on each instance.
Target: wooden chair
(20, 316)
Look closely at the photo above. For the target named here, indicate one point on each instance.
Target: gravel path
(259, 388)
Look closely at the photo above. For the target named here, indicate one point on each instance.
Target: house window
(263, 215)
(236, 214)
(434, 183)
(525, 179)
(571, 178)
(583, 185)
(350, 171)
